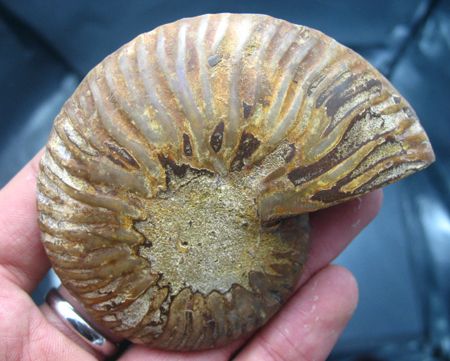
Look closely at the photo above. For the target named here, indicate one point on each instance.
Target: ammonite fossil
(175, 188)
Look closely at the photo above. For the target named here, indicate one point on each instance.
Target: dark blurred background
(402, 260)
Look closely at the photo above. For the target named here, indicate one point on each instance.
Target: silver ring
(81, 327)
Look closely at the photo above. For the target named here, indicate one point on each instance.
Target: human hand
(306, 328)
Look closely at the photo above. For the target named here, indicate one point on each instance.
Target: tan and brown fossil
(175, 188)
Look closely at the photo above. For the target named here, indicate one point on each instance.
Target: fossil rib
(176, 184)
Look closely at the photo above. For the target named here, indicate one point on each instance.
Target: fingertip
(332, 229)
(338, 278)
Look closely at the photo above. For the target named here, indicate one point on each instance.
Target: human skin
(306, 328)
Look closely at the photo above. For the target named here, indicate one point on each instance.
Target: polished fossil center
(209, 228)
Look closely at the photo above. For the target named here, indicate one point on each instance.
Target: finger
(309, 325)
(22, 257)
(25, 334)
(332, 229)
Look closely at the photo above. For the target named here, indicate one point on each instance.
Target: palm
(306, 328)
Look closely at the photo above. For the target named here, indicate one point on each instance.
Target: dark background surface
(402, 260)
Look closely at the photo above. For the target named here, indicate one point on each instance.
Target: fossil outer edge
(174, 190)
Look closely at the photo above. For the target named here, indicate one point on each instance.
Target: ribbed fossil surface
(175, 187)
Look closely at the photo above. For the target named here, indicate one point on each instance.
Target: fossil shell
(175, 186)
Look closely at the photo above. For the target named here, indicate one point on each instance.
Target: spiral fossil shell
(175, 187)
